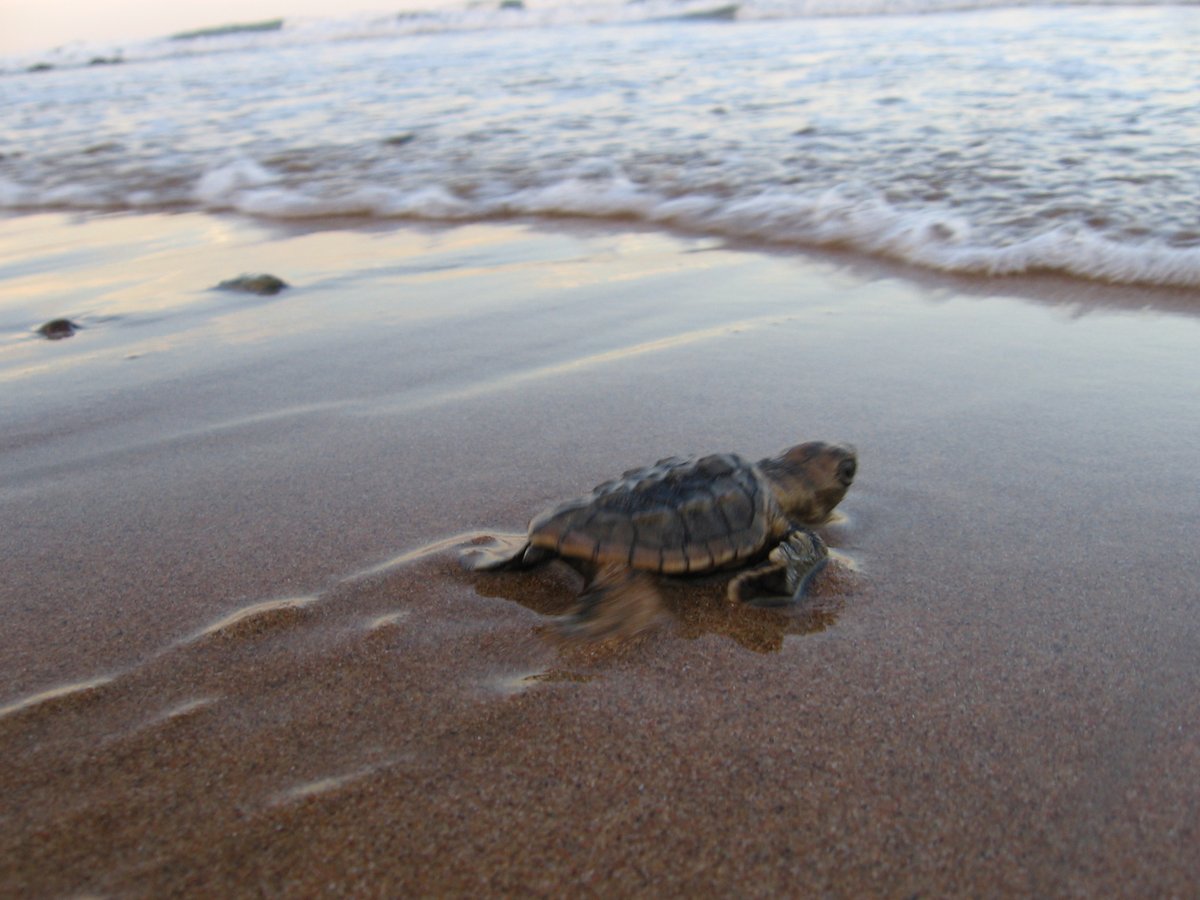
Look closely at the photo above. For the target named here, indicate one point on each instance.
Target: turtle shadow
(702, 608)
(695, 606)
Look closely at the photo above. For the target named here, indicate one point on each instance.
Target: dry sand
(238, 658)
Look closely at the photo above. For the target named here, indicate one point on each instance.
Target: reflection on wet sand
(695, 606)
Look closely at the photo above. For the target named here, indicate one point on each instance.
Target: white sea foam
(825, 219)
(13, 195)
(828, 218)
(227, 186)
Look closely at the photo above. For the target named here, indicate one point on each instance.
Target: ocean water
(988, 140)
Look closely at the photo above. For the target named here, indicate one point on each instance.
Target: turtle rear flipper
(617, 602)
(502, 551)
(786, 575)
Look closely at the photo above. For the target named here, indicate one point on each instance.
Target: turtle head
(809, 480)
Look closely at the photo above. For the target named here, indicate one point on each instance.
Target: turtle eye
(845, 471)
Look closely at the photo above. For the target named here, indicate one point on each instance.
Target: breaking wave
(830, 218)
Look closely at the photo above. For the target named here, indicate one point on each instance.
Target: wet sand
(239, 659)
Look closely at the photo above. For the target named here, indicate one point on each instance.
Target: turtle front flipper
(502, 551)
(617, 602)
(786, 575)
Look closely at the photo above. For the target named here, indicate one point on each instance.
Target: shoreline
(215, 508)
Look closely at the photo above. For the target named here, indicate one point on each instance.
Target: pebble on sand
(254, 284)
(57, 329)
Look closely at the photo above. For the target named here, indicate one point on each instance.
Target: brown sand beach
(238, 656)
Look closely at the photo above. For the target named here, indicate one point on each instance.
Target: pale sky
(27, 26)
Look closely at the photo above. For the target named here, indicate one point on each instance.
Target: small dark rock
(512, 4)
(40, 67)
(57, 329)
(254, 284)
(105, 61)
(399, 140)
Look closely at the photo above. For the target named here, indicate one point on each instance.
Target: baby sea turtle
(688, 516)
